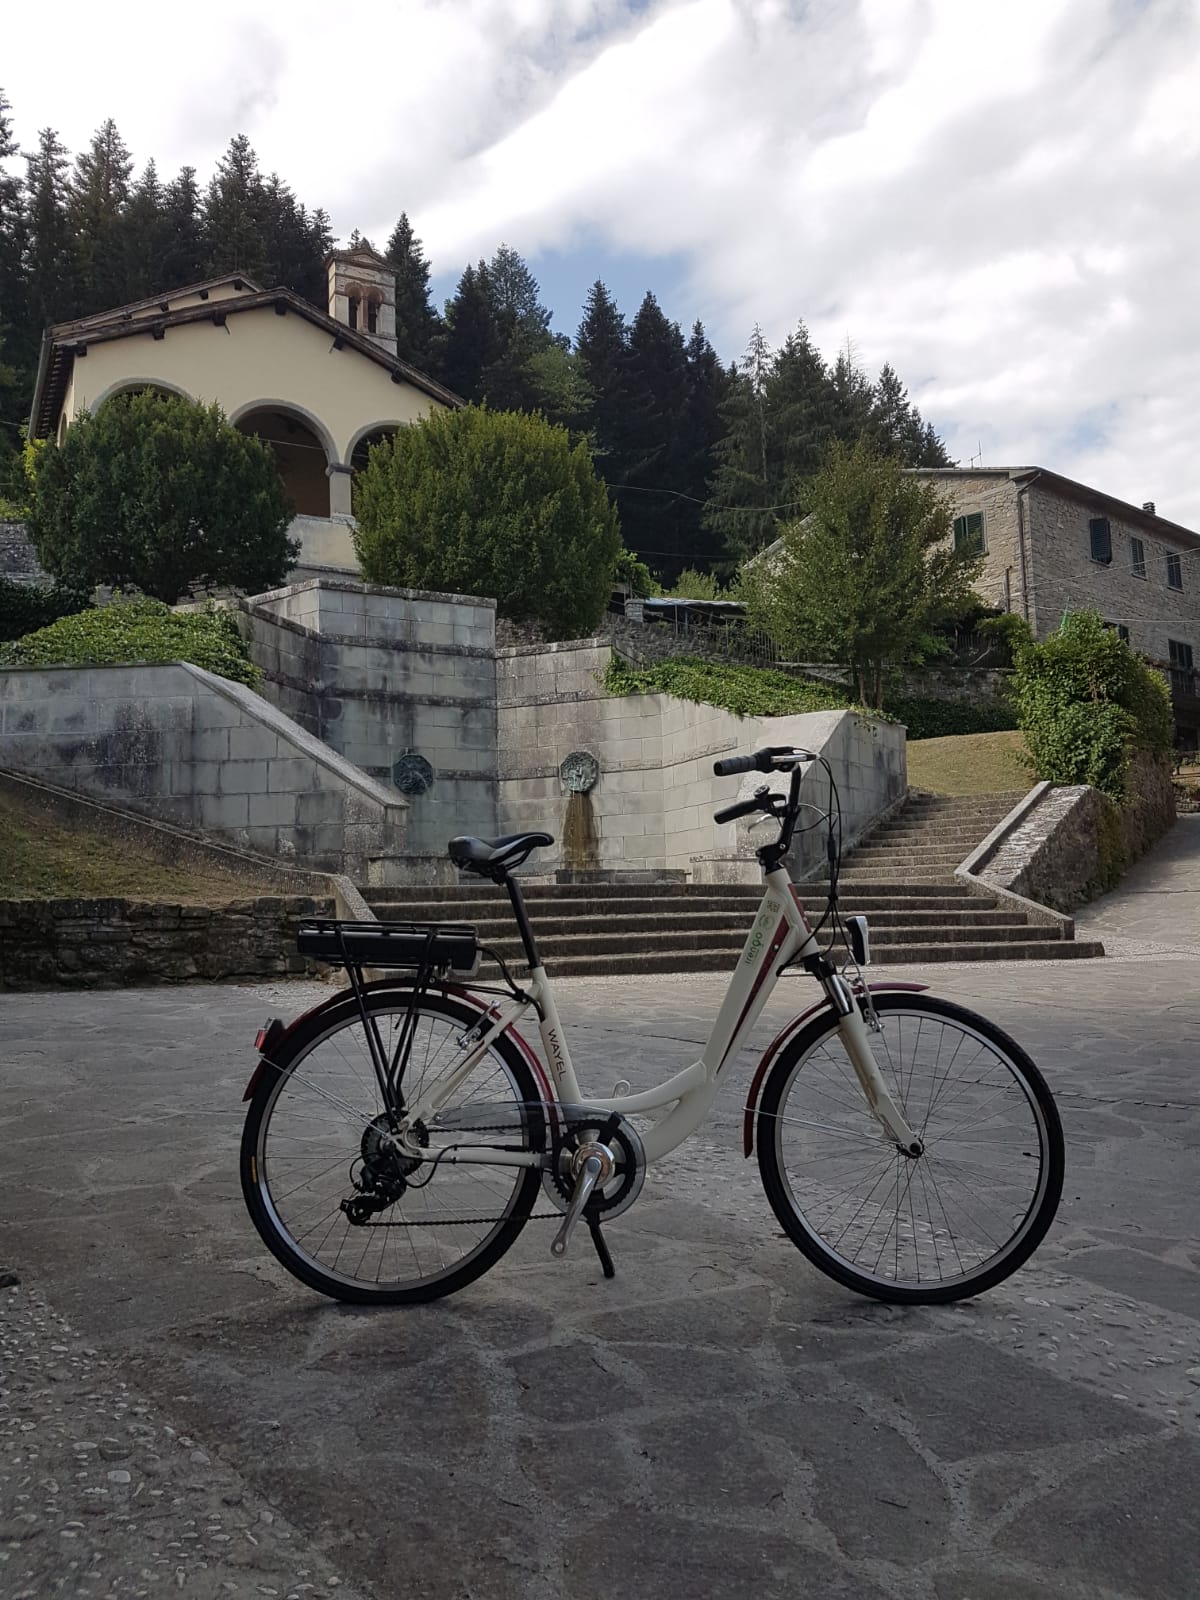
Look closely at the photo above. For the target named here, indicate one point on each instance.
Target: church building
(319, 387)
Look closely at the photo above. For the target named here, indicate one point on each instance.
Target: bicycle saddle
(492, 856)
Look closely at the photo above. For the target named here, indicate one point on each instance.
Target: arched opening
(299, 454)
(361, 451)
(137, 386)
(352, 310)
(372, 315)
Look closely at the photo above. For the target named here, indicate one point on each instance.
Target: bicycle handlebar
(740, 808)
(775, 758)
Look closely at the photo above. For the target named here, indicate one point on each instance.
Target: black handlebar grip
(740, 808)
(734, 764)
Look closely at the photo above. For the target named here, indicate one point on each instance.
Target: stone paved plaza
(177, 1416)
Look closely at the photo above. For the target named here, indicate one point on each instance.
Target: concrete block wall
(375, 672)
(652, 805)
(180, 744)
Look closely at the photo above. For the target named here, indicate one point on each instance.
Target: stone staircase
(901, 878)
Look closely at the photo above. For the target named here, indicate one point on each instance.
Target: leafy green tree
(867, 575)
(693, 585)
(416, 319)
(491, 503)
(158, 493)
(1086, 703)
(17, 346)
(563, 394)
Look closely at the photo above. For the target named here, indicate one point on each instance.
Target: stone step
(918, 854)
(469, 887)
(908, 900)
(915, 955)
(492, 927)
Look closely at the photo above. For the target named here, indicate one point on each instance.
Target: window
(968, 533)
(1181, 675)
(1101, 539)
(1122, 633)
(1137, 558)
(372, 317)
(1174, 573)
(353, 311)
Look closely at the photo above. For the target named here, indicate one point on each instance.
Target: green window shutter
(968, 533)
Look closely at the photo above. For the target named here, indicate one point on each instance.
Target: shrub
(140, 630)
(491, 503)
(158, 493)
(636, 574)
(926, 718)
(25, 607)
(1086, 702)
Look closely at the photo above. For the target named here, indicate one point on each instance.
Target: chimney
(1148, 506)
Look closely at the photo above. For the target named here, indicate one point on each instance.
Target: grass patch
(48, 859)
(971, 763)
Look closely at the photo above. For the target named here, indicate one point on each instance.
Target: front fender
(771, 1053)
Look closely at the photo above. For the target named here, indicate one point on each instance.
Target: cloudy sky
(999, 196)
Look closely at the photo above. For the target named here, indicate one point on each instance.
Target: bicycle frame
(780, 934)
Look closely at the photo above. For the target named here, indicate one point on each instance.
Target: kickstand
(606, 1261)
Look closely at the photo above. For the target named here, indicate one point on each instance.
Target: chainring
(580, 1124)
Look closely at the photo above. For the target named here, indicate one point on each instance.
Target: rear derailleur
(383, 1177)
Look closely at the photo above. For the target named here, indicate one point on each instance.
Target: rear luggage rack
(439, 949)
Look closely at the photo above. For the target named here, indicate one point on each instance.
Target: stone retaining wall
(1073, 843)
(651, 807)
(118, 943)
(180, 744)
(18, 558)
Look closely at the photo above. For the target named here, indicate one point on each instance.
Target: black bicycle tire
(833, 1266)
(277, 1243)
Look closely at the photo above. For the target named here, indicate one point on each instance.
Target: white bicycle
(399, 1135)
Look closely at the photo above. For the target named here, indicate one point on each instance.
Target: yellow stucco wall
(257, 358)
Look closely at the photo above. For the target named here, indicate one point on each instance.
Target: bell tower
(362, 294)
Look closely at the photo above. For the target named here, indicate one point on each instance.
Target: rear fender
(274, 1035)
(771, 1054)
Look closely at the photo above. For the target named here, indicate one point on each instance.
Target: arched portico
(303, 448)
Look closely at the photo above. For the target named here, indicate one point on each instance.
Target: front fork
(856, 1036)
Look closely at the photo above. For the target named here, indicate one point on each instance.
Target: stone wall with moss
(109, 944)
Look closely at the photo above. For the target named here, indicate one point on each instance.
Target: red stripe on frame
(773, 949)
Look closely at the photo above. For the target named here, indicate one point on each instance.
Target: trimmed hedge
(941, 719)
(138, 631)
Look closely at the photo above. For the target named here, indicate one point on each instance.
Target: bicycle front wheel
(334, 1200)
(949, 1223)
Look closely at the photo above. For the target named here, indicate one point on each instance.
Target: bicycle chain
(463, 1222)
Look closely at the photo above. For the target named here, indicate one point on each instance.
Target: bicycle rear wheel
(952, 1222)
(316, 1139)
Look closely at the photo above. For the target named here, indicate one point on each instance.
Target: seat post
(523, 928)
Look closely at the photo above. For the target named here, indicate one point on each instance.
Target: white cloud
(996, 195)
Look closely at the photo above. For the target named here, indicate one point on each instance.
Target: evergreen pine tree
(472, 339)
(654, 516)
(416, 319)
(602, 350)
(15, 324)
(49, 256)
(738, 512)
(98, 196)
(852, 398)
(185, 257)
(144, 239)
(234, 233)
